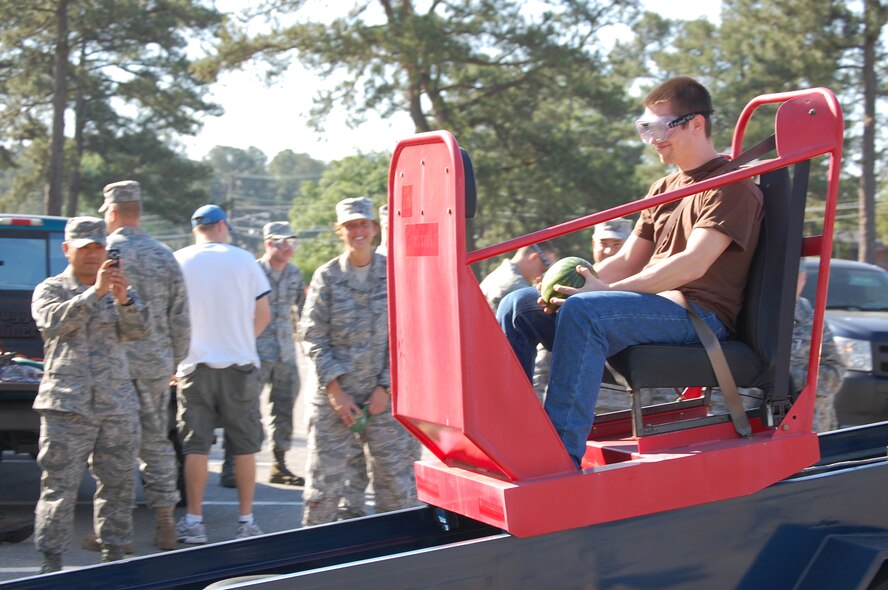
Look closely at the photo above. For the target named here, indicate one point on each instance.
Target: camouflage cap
(276, 230)
(613, 229)
(356, 208)
(125, 191)
(80, 231)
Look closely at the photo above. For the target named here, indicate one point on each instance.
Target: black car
(857, 314)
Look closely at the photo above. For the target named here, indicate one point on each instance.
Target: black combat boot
(280, 474)
(226, 479)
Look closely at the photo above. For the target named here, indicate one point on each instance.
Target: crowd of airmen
(128, 318)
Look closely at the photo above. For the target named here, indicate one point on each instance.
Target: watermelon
(563, 272)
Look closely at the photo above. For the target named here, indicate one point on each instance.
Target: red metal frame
(458, 387)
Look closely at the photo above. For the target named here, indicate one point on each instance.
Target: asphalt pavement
(276, 507)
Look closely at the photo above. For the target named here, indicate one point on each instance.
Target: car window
(853, 288)
(22, 262)
(57, 260)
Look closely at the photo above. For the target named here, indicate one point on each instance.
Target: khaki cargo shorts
(226, 397)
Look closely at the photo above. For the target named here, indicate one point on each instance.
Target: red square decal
(422, 239)
(407, 200)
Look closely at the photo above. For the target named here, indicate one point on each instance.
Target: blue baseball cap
(209, 214)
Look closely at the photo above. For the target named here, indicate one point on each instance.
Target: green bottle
(361, 421)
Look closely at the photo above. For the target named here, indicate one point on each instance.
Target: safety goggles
(285, 242)
(653, 129)
(539, 251)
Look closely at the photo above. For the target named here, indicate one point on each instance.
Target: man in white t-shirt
(219, 379)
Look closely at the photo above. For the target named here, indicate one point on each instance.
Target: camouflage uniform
(153, 271)
(832, 371)
(829, 380)
(344, 330)
(504, 279)
(500, 282)
(277, 350)
(88, 406)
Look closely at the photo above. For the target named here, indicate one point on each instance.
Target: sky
(274, 118)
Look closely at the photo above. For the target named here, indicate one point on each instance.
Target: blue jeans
(589, 328)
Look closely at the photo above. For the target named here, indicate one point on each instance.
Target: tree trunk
(74, 181)
(873, 20)
(53, 188)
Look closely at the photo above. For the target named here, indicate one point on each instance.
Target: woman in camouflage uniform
(344, 330)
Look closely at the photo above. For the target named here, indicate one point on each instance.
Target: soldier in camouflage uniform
(517, 272)
(154, 273)
(88, 406)
(344, 330)
(832, 371)
(276, 347)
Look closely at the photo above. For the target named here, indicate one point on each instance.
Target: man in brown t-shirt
(639, 293)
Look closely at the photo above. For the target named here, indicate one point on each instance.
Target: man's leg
(591, 328)
(245, 476)
(284, 379)
(197, 419)
(112, 461)
(196, 475)
(66, 441)
(825, 417)
(157, 458)
(237, 390)
(526, 324)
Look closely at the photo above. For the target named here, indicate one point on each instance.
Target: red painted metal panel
(456, 382)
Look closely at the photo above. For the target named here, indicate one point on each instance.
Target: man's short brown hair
(685, 95)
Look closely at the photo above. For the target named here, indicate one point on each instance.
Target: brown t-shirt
(735, 210)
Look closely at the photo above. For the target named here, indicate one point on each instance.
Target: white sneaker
(245, 530)
(194, 534)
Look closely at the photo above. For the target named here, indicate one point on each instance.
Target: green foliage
(763, 47)
(237, 173)
(314, 213)
(172, 187)
(524, 89)
(128, 76)
(290, 170)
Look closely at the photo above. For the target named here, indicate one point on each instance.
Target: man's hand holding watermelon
(566, 277)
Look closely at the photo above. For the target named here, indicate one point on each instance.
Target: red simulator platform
(459, 389)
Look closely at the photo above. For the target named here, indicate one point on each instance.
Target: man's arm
(832, 370)
(262, 314)
(629, 260)
(704, 247)
(178, 314)
(57, 315)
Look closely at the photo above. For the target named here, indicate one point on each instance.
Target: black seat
(759, 354)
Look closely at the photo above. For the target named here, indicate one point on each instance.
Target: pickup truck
(857, 315)
(30, 251)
